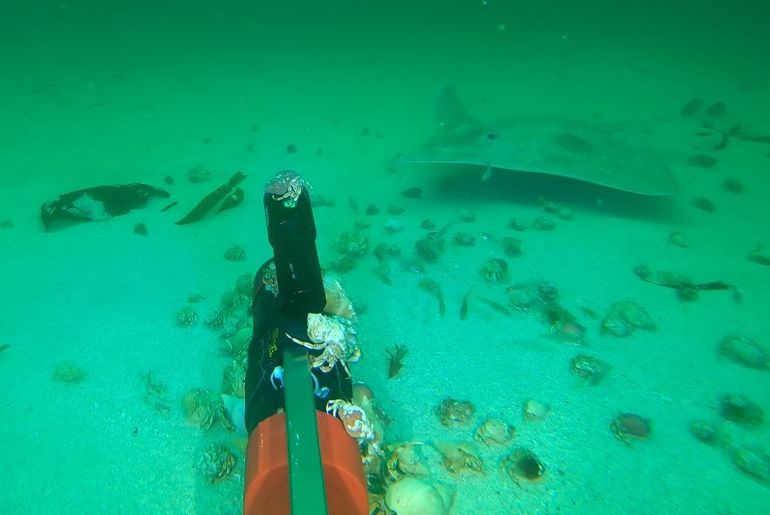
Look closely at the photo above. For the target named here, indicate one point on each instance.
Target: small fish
(496, 306)
(4, 346)
(432, 287)
(464, 306)
(396, 356)
(353, 205)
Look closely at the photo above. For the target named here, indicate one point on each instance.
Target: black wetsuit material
(268, 343)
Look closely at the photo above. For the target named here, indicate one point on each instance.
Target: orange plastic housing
(266, 489)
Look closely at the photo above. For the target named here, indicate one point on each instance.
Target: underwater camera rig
(299, 459)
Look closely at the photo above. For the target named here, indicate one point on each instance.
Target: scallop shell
(412, 496)
(635, 315)
(626, 316)
(237, 343)
(753, 461)
(337, 301)
(536, 411)
(494, 433)
(523, 464)
(234, 377)
(235, 410)
(406, 459)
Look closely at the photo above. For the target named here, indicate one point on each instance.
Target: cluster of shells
(415, 473)
(220, 413)
(740, 416)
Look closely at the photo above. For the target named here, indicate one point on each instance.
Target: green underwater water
(98, 93)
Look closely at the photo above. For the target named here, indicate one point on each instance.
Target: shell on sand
(235, 410)
(745, 351)
(412, 496)
(337, 301)
(238, 343)
(405, 459)
(535, 411)
(625, 316)
(494, 433)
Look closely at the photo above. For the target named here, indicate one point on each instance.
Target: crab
(627, 427)
(286, 187)
(406, 460)
(334, 337)
(203, 408)
(454, 413)
(459, 456)
(353, 418)
(589, 368)
(217, 463)
(377, 505)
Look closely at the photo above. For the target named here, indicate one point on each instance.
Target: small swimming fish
(396, 356)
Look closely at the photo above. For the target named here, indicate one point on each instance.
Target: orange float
(266, 487)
